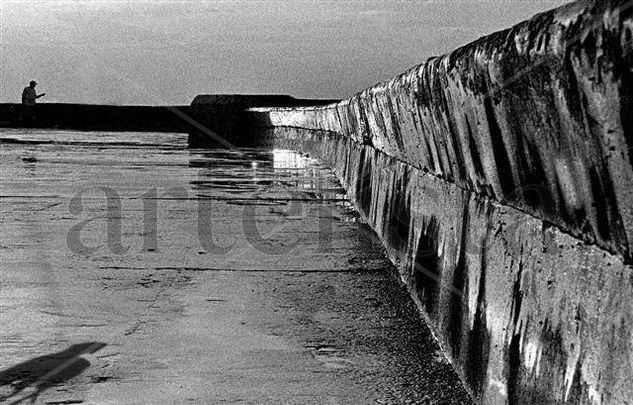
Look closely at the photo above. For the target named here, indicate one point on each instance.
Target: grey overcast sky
(166, 52)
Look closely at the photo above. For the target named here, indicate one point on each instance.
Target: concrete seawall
(499, 178)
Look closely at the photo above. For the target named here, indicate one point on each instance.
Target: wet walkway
(134, 270)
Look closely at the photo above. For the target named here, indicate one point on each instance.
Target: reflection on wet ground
(206, 276)
(277, 174)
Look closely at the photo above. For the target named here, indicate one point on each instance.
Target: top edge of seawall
(249, 101)
(566, 14)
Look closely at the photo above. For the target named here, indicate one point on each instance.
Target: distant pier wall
(210, 120)
(500, 179)
(94, 117)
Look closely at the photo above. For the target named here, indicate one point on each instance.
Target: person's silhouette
(28, 94)
(47, 371)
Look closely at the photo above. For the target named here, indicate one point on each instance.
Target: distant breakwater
(208, 120)
(91, 117)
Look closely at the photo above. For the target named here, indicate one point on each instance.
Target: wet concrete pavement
(134, 270)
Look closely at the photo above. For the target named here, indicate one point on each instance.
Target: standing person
(29, 96)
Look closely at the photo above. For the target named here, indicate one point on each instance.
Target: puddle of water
(265, 174)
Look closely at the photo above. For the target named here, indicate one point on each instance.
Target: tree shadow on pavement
(44, 372)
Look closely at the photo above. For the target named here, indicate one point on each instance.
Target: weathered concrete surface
(256, 284)
(499, 177)
(528, 314)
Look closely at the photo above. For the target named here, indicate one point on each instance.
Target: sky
(158, 52)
